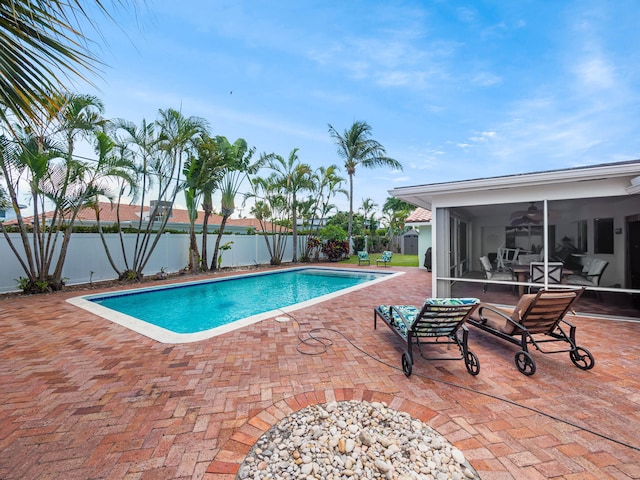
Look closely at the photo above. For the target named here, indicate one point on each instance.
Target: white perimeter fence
(87, 260)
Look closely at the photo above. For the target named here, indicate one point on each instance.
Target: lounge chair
(491, 274)
(363, 258)
(437, 322)
(535, 320)
(385, 258)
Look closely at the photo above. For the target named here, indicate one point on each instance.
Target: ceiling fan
(530, 216)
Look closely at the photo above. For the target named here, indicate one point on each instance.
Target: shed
(409, 243)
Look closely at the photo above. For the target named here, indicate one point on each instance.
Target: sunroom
(583, 221)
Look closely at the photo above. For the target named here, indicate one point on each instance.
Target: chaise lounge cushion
(500, 323)
(410, 312)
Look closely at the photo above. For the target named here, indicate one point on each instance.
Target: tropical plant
(368, 213)
(223, 248)
(326, 184)
(335, 245)
(395, 212)
(212, 165)
(294, 177)
(42, 44)
(192, 173)
(54, 177)
(159, 151)
(236, 168)
(271, 209)
(356, 147)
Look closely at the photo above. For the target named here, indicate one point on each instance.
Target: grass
(398, 260)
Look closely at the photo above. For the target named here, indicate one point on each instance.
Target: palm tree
(212, 169)
(368, 209)
(78, 116)
(357, 147)
(42, 43)
(177, 142)
(192, 192)
(33, 160)
(160, 150)
(294, 177)
(271, 208)
(326, 183)
(237, 167)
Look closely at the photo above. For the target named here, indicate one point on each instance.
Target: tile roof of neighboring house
(131, 213)
(419, 215)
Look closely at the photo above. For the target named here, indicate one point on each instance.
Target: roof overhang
(623, 176)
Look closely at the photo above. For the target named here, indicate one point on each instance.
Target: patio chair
(537, 274)
(536, 320)
(363, 258)
(507, 257)
(590, 275)
(439, 321)
(491, 274)
(385, 258)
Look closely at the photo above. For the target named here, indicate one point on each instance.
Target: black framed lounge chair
(363, 258)
(438, 321)
(536, 320)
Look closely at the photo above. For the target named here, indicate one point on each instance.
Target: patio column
(440, 235)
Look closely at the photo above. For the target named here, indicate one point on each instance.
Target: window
(603, 235)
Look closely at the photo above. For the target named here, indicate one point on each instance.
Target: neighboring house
(178, 219)
(587, 212)
(420, 220)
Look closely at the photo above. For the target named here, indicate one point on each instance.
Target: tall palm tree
(357, 147)
(42, 43)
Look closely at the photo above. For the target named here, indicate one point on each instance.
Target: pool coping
(164, 335)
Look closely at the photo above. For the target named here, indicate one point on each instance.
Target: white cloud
(486, 79)
(595, 72)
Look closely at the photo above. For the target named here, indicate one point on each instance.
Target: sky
(453, 90)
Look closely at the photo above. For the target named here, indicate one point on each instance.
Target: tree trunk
(214, 261)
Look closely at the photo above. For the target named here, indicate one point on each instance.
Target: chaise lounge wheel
(525, 363)
(472, 363)
(406, 364)
(582, 358)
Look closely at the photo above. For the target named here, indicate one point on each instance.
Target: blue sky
(453, 90)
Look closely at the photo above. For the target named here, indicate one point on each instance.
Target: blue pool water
(200, 306)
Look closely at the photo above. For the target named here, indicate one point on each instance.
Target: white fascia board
(423, 194)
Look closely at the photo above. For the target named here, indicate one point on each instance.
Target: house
(131, 216)
(577, 214)
(420, 221)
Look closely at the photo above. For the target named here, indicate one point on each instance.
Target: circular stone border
(354, 439)
(243, 436)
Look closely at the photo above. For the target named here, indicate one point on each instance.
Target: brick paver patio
(84, 398)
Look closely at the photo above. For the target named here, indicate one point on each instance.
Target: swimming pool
(193, 311)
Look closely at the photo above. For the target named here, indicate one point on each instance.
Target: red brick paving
(84, 398)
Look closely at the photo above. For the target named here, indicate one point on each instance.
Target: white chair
(492, 274)
(507, 257)
(537, 274)
(591, 277)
